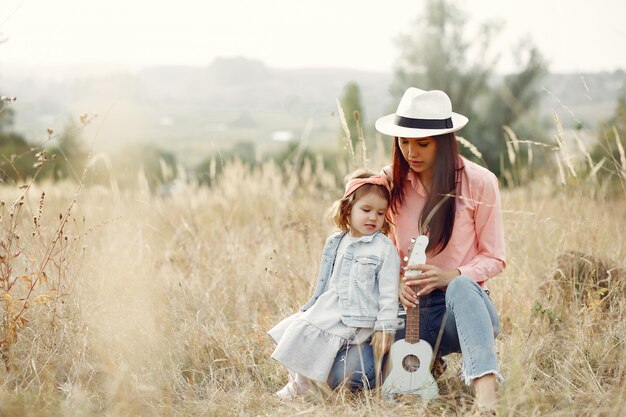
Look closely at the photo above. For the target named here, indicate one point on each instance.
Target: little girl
(353, 312)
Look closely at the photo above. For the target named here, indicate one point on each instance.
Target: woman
(456, 203)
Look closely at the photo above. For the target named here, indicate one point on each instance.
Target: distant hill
(208, 107)
(195, 110)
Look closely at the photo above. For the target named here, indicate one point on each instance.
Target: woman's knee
(458, 291)
(460, 285)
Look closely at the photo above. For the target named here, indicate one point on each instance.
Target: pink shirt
(476, 247)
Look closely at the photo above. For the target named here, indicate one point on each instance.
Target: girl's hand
(381, 342)
(427, 281)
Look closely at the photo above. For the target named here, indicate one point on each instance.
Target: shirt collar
(364, 238)
(416, 183)
(367, 238)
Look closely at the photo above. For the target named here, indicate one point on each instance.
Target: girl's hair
(446, 178)
(340, 211)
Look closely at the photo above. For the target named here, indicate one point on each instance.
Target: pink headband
(355, 183)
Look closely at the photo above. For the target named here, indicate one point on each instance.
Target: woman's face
(419, 153)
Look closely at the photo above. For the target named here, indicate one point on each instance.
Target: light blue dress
(308, 342)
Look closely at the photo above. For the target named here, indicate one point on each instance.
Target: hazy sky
(575, 35)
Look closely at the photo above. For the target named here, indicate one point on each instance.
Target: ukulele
(410, 358)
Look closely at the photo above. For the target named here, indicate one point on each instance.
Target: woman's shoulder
(478, 175)
(479, 183)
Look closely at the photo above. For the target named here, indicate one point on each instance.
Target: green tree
(619, 118)
(353, 111)
(439, 54)
(137, 161)
(612, 132)
(68, 157)
(16, 158)
(211, 167)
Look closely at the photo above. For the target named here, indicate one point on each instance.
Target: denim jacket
(368, 284)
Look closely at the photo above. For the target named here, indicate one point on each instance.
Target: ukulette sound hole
(411, 363)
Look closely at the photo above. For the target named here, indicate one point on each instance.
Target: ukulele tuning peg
(413, 240)
(406, 259)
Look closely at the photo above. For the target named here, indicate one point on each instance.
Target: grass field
(158, 306)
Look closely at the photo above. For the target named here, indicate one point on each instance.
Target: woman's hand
(408, 297)
(381, 342)
(427, 281)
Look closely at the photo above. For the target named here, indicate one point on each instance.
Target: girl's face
(419, 153)
(367, 215)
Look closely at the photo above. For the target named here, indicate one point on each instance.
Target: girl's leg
(354, 366)
(298, 385)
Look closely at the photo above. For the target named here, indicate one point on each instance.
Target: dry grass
(165, 310)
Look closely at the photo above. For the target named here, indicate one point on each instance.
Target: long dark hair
(445, 183)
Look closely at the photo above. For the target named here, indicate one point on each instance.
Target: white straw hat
(421, 114)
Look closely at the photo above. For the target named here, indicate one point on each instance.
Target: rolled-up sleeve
(490, 259)
(388, 282)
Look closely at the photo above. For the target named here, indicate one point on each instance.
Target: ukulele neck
(413, 324)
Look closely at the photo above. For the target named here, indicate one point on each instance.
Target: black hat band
(424, 123)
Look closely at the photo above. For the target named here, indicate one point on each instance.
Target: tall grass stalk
(347, 135)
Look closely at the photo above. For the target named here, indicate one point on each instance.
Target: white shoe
(289, 392)
(299, 386)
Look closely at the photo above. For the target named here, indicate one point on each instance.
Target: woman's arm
(489, 234)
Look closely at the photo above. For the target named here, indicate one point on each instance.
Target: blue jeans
(470, 328)
(354, 366)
